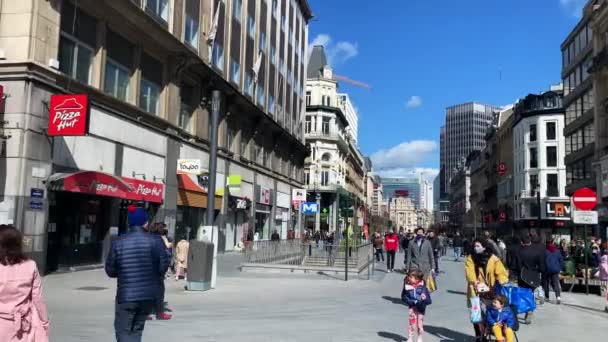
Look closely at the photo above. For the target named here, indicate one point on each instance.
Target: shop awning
(193, 194)
(103, 184)
(187, 182)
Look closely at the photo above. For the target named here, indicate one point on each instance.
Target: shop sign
(191, 166)
(558, 210)
(241, 203)
(265, 196)
(145, 191)
(234, 183)
(309, 208)
(68, 115)
(585, 217)
(36, 193)
(298, 195)
(34, 205)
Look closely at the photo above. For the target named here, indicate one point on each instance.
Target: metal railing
(283, 252)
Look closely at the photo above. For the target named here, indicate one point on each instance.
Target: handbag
(530, 277)
(430, 283)
(475, 309)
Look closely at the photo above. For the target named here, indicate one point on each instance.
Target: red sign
(90, 182)
(68, 115)
(502, 216)
(145, 191)
(584, 199)
(502, 169)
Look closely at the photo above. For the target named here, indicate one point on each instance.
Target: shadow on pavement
(457, 292)
(332, 276)
(446, 334)
(391, 336)
(586, 308)
(393, 300)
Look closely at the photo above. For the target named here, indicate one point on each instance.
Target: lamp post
(538, 218)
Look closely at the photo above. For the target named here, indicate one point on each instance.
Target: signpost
(502, 169)
(585, 200)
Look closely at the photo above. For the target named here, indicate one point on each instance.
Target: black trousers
(390, 260)
(160, 301)
(553, 280)
(379, 253)
(130, 320)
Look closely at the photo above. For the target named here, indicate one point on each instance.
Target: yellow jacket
(495, 272)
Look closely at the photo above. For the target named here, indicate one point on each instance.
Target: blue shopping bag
(522, 298)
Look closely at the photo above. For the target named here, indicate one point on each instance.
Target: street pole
(215, 117)
(318, 214)
(586, 260)
(539, 219)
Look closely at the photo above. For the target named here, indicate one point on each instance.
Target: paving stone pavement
(279, 307)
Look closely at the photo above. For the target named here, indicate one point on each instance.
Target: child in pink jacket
(23, 316)
(603, 275)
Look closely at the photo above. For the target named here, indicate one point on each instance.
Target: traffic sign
(502, 169)
(584, 199)
(585, 217)
(310, 208)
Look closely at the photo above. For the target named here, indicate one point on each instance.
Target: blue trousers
(130, 320)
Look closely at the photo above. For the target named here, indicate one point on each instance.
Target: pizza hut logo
(102, 187)
(68, 115)
(144, 190)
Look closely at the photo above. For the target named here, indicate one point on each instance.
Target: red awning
(186, 182)
(103, 184)
(90, 182)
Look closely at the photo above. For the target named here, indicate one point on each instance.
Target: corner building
(149, 68)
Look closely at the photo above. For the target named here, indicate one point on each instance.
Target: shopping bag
(525, 302)
(475, 310)
(539, 293)
(430, 283)
(508, 290)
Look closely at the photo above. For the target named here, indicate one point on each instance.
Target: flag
(214, 25)
(256, 67)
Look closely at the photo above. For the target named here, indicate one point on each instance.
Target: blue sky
(421, 56)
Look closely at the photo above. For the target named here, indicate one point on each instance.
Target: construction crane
(350, 81)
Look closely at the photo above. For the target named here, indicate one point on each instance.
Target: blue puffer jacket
(506, 316)
(139, 260)
(416, 296)
(554, 261)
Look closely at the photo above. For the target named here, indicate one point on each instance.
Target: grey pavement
(281, 307)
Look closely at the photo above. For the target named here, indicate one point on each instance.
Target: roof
(316, 62)
(306, 10)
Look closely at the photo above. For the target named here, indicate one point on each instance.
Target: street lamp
(538, 218)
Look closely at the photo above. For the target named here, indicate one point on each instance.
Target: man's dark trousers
(390, 260)
(130, 320)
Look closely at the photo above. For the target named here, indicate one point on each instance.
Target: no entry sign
(584, 199)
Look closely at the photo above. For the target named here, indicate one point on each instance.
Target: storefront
(192, 205)
(263, 210)
(282, 216)
(237, 220)
(86, 208)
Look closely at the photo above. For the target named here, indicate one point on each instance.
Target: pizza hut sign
(68, 115)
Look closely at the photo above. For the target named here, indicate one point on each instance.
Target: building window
(235, 71)
(159, 8)
(192, 23)
(589, 134)
(218, 56)
(186, 94)
(283, 23)
(552, 188)
(281, 67)
(306, 178)
(118, 73)
(76, 43)
(551, 130)
(534, 184)
(261, 95)
(230, 134)
(308, 98)
(263, 41)
(271, 104)
(533, 132)
(533, 158)
(244, 145)
(551, 156)
(249, 84)
(150, 85)
(236, 9)
(273, 55)
(275, 8)
(325, 126)
(251, 27)
(308, 125)
(324, 178)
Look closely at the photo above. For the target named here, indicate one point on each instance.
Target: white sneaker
(419, 339)
(410, 339)
(558, 300)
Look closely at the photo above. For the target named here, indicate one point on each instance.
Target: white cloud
(573, 6)
(406, 155)
(414, 102)
(426, 172)
(336, 53)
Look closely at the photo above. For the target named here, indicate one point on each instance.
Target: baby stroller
(489, 336)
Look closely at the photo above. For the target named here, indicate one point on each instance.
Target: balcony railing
(333, 136)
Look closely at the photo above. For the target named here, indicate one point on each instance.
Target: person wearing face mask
(483, 271)
(420, 254)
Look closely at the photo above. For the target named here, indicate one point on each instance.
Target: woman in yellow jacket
(483, 271)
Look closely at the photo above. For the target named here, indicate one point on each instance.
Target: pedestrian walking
(181, 259)
(483, 271)
(275, 236)
(602, 274)
(501, 319)
(436, 245)
(391, 243)
(443, 243)
(531, 268)
(160, 309)
(420, 255)
(23, 315)
(493, 245)
(138, 260)
(401, 238)
(417, 297)
(378, 243)
(457, 243)
(554, 264)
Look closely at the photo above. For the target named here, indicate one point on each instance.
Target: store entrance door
(80, 225)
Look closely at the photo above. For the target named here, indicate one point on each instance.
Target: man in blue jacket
(138, 259)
